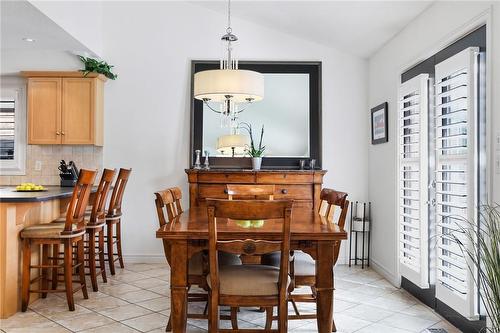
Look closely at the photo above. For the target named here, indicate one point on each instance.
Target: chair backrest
(249, 210)
(257, 191)
(177, 194)
(165, 203)
(101, 196)
(333, 199)
(79, 202)
(115, 204)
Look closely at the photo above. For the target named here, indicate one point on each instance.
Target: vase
(256, 162)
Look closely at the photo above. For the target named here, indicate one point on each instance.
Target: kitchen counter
(9, 194)
(18, 210)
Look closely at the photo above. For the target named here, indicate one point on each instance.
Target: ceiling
(20, 19)
(359, 27)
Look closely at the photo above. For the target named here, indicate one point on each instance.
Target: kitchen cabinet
(65, 108)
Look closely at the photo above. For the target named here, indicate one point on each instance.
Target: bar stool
(113, 221)
(95, 229)
(68, 234)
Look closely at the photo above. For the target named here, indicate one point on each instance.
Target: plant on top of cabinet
(97, 66)
(65, 108)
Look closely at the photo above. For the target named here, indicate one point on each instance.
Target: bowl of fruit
(30, 187)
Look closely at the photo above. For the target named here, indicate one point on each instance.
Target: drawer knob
(284, 191)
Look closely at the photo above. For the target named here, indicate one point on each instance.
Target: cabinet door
(44, 111)
(77, 111)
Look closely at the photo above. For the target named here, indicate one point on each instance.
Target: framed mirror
(290, 114)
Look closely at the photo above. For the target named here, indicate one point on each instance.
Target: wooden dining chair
(303, 266)
(248, 285)
(113, 221)
(168, 207)
(69, 233)
(254, 191)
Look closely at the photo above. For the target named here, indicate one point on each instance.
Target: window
(12, 132)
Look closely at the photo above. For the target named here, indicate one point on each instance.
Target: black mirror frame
(313, 68)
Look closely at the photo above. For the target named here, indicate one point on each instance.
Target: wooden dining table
(312, 233)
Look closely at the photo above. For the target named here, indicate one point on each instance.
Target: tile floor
(136, 299)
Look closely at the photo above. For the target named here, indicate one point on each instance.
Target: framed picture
(380, 130)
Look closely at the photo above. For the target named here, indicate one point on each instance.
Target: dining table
(187, 234)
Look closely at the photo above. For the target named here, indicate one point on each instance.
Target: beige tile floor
(137, 299)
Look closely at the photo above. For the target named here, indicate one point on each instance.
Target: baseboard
(144, 258)
(389, 276)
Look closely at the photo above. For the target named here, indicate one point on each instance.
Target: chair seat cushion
(196, 262)
(47, 230)
(248, 280)
(304, 264)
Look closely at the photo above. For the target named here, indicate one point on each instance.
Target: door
(44, 110)
(77, 111)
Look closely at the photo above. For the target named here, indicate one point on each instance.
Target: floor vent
(436, 330)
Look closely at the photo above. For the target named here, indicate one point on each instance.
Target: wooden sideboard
(303, 186)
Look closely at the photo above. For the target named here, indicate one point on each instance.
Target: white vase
(256, 162)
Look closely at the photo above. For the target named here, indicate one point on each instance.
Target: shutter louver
(456, 175)
(413, 179)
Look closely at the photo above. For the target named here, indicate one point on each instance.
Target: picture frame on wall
(380, 124)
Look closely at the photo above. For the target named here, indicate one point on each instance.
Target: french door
(451, 192)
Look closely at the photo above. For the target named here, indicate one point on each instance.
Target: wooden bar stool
(68, 234)
(113, 221)
(95, 229)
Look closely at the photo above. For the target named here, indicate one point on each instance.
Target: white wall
(426, 35)
(147, 116)
(81, 19)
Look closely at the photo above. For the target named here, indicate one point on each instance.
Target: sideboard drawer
(284, 178)
(296, 192)
(212, 191)
(226, 178)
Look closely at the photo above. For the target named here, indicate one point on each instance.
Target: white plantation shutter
(413, 180)
(457, 173)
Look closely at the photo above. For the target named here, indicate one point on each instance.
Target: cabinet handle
(63, 133)
(284, 191)
(57, 133)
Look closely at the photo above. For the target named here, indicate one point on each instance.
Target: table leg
(324, 286)
(179, 285)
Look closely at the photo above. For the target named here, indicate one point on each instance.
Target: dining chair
(68, 234)
(249, 191)
(113, 220)
(168, 207)
(303, 266)
(248, 285)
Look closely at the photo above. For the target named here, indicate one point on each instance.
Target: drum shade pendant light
(229, 86)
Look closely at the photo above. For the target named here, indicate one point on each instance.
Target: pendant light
(229, 86)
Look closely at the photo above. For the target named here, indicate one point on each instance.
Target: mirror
(289, 112)
(284, 113)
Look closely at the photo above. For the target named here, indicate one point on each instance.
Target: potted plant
(256, 153)
(97, 66)
(480, 245)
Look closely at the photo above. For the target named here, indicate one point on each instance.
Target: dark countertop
(236, 170)
(9, 194)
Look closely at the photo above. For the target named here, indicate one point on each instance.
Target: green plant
(97, 66)
(252, 150)
(483, 257)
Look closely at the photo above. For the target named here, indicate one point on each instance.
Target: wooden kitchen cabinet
(65, 108)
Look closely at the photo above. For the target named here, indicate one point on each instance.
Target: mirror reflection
(284, 113)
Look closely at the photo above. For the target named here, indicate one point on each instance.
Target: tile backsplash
(86, 157)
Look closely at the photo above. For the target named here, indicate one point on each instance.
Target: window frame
(17, 166)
